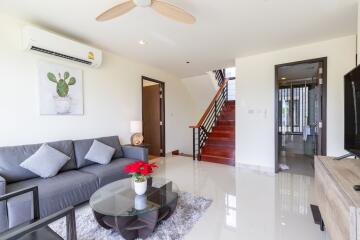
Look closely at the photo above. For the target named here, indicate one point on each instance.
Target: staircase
(219, 147)
(214, 135)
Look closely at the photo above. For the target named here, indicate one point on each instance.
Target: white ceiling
(225, 29)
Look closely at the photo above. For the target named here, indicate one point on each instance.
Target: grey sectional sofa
(73, 185)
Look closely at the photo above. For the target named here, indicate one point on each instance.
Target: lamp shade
(136, 126)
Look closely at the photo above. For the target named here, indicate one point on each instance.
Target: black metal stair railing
(202, 130)
(220, 76)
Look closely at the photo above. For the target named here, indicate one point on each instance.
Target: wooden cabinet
(338, 202)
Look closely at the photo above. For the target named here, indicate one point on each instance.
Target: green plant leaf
(51, 77)
(62, 88)
(72, 81)
(66, 75)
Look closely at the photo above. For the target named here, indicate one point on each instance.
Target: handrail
(212, 103)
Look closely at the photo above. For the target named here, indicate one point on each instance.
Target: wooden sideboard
(338, 202)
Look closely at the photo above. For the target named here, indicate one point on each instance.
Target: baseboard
(257, 168)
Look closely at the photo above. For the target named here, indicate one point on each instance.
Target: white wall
(255, 89)
(202, 90)
(112, 98)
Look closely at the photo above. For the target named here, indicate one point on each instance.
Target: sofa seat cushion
(65, 189)
(82, 147)
(11, 157)
(111, 172)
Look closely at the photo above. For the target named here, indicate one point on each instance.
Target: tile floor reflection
(246, 205)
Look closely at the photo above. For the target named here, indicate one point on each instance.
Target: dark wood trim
(162, 117)
(175, 152)
(324, 105)
(178, 153)
(202, 119)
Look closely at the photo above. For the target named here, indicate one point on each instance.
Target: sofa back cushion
(11, 157)
(82, 147)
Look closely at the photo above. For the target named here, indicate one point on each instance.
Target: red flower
(140, 167)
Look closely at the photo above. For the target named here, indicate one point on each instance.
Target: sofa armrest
(137, 153)
(3, 211)
(2, 186)
(26, 229)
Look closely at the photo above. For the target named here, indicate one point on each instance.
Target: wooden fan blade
(116, 11)
(172, 12)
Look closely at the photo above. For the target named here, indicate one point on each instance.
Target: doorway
(300, 115)
(153, 116)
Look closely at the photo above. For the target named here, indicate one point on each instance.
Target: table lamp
(136, 130)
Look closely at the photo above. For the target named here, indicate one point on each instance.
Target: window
(230, 72)
(293, 110)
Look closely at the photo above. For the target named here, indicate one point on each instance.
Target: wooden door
(152, 118)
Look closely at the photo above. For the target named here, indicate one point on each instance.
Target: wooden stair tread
(219, 154)
(224, 128)
(219, 160)
(205, 156)
(219, 138)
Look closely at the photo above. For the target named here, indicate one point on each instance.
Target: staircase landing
(220, 145)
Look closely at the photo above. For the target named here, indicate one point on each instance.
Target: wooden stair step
(220, 160)
(224, 128)
(218, 151)
(223, 134)
(228, 114)
(220, 142)
(226, 117)
(226, 122)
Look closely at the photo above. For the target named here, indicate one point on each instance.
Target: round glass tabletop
(119, 198)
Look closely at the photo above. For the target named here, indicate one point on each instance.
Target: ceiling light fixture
(283, 78)
(142, 42)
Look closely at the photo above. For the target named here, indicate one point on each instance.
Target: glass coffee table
(116, 206)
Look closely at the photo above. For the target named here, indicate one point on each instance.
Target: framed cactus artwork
(61, 90)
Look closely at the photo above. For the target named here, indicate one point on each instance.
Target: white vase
(140, 187)
(62, 104)
(140, 202)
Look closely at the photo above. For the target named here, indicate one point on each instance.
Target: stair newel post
(194, 144)
(199, 144)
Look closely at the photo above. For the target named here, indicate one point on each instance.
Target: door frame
(323, 60)
(162, 111)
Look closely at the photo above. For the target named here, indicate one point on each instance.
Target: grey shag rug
(188, 211)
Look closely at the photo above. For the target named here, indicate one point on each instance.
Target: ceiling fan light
(142, 3)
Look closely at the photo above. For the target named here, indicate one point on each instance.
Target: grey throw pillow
(45, 162)
(100, 153)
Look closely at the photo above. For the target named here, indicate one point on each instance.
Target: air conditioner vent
(43, 42)
(60, 55)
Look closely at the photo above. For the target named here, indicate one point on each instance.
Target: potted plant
(140, 172)
(62, 100)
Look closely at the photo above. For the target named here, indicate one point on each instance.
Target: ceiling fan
(162, 8)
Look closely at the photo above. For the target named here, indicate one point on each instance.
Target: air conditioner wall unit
(51, 44)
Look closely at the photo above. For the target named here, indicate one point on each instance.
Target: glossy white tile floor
(246, 205)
